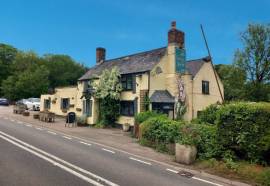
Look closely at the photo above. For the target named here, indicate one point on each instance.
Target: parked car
(4, 101)
(31, 103)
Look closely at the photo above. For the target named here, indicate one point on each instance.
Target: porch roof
(162, 96)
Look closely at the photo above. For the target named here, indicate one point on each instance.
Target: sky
(123, 27)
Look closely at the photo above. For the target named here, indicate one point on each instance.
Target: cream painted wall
(65, 92)
(201, 101)
(141, 84)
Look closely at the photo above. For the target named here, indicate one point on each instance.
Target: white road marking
(19, 122)
(61, 160)
(5, 118)
(140, 161)
(108, 150)
(39, 128)
(12, 120)
(67, 137)
(91, 181)
(51, 132)
(174, 171)
(29, 125)
(85, 143)
(206, 181)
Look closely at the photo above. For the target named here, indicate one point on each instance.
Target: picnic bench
(47, 116)
(19, 108)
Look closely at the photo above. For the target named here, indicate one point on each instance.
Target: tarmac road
(30, 155)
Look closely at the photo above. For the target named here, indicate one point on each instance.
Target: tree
(254, 59)
(63, 70)
(233, 79)
(7, 56)
(30, 83)
(107, 91)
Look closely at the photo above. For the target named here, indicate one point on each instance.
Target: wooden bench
(47, 116)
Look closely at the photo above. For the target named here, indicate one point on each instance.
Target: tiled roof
(140, 62)
(162, 96)
(193, 66)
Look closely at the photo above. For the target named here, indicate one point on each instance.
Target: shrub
(208, 146)
(264, 178)
(160, 131)
(143, 116)
(204, 137)
(244, 128)
(209, 114)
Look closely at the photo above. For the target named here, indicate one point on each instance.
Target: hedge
(160, 132)
(244, 128)
(143, 116)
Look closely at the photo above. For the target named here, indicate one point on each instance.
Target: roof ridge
(202, 58)
(152, 50)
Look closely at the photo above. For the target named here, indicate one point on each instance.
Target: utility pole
(208, 50)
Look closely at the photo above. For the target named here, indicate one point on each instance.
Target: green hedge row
(243, 129)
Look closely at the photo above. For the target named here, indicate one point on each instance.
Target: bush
(208, 146)
(159, 132)
(204, 137)
(244, 128)
(264, 178)
(143, 116)
(208, 115)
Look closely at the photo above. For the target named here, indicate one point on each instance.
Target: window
(47, 104)
(65, 103)
(87, 107)
(127, 108)
(126, 81)
(205, 87)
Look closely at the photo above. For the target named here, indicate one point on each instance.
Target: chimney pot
(100, 55)
(173, 24)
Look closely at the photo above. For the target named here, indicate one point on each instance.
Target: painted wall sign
(180, 60)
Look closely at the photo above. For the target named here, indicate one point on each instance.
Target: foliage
(108, 85)
(108, 90)
(209, 114)
(208, 146)
(254, 59)
(181, 109)
(146, 102)
(233, 79)
(160, 129)
(26, 84)
(244, 129)
(189, 135)
(250, 173)
(264, 178)
(143, 116)
(7, 56)
(62, 64)
(24, 67)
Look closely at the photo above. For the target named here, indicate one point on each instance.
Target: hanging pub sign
(180, 60)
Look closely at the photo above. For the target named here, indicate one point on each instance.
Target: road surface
(31, 155)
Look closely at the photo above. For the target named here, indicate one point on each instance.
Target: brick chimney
(100, 55)
(176, 36)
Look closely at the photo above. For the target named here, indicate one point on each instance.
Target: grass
(243, 171)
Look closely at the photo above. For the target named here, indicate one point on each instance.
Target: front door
(165, 108)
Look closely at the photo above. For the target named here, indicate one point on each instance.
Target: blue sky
(77, 27)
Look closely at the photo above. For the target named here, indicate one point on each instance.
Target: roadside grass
(243, 171)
